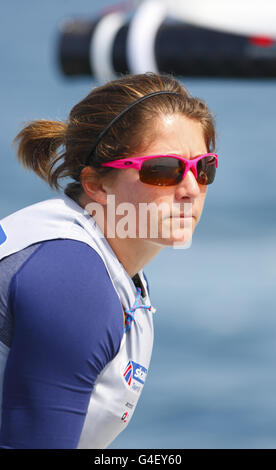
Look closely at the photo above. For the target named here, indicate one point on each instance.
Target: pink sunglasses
(169, 170)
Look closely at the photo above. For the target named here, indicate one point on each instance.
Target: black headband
(106, 129)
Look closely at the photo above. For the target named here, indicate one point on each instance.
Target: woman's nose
(188, 187)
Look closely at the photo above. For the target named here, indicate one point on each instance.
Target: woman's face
(175, 134)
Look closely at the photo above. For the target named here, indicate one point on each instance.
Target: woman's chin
(182, 238)
(178, 231)
(177, 238)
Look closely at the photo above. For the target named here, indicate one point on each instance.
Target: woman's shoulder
(66, 259)
(67, 277)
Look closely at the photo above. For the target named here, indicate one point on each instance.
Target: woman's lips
(181, 216)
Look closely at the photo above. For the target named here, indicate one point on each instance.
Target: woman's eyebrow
(183, 156)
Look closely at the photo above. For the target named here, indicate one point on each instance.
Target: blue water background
(212, 382)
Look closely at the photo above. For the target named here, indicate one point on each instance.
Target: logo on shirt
(124, 417)
(135, 375)
(3, 236)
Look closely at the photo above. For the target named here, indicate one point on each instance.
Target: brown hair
(42, 144)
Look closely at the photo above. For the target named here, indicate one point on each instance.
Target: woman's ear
(93, 185)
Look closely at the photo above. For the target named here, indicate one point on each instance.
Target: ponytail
(38, 144)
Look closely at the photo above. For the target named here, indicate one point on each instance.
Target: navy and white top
(76, 332)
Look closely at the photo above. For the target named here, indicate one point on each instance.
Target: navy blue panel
(68, 324)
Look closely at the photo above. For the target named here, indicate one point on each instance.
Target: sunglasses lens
(206, 170)
(162, 171)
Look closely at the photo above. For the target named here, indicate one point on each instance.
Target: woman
(76, 318)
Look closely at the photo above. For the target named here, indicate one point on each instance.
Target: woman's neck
(133, 253)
